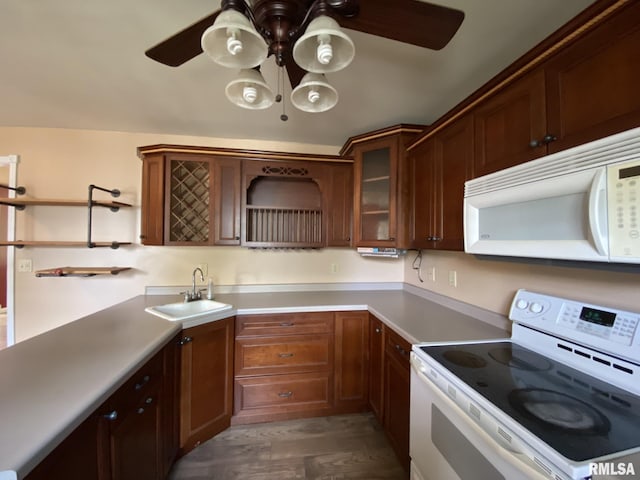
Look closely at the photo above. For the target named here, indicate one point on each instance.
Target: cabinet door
(152, 201)
(227, 180)
(136, 441)
(452, 167)
(351, 360)
(206, 382)
(376, 367)
(592, 85)
(397, 379)
(423, 170)
(340, 211)
(76, 458)
(507, 123)
(375, 170)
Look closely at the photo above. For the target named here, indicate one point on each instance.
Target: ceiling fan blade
(408, 21)
(182, 46)
(294, 71)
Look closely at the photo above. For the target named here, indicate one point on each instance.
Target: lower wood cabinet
(389, 385)
(397, 376)
(132, 435)
(300, 364)
(206, 389)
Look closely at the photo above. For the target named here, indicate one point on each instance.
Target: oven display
(598, 317)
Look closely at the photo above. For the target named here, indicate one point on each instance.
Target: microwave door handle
(596, 222)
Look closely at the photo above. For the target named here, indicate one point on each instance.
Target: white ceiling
(81, 64)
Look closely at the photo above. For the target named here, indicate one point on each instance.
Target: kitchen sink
(188, 310)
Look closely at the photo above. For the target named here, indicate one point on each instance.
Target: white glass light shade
(233, 42)
(250, 91)
(324, 47)
(314, 94)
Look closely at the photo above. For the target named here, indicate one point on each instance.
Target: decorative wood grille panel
(189, 201)
(273, 226)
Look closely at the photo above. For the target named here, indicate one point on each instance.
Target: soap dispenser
(209, 288)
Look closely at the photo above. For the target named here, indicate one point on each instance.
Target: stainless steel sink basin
(187, 310)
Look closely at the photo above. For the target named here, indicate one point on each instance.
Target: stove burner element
(514, 357)
(560, 411)
(465, 359)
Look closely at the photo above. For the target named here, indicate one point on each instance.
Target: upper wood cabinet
(508, 124)
(190, 199)
(340, 206)
(206, 196)
(381, 186)
(439, 167)
(592, 85)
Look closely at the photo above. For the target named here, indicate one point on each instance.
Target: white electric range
(560, 399)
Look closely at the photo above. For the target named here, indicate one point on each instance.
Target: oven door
(446, 443)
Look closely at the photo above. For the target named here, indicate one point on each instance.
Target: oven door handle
(509, 453)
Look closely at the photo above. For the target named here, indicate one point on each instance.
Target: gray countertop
(50, 383)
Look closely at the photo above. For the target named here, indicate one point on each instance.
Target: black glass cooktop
(576, 414)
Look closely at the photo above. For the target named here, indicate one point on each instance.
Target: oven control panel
(613, 330)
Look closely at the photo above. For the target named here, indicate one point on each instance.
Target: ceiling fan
(281, 25)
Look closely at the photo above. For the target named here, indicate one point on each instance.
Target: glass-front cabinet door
(376, 184)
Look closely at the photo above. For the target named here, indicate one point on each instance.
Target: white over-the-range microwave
(578, 204)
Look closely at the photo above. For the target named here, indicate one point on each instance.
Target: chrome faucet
(194, 294)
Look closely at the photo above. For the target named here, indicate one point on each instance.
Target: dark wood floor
(326, 448)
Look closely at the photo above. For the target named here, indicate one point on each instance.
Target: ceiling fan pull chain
(284, 116)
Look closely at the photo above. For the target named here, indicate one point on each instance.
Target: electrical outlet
(25, 265)
(431, 273)
(334, 268)
(453, 278)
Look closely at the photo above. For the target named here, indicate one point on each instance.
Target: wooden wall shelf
(46, 243)
(79, 271)
(51, 202)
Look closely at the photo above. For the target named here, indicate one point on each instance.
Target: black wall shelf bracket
(90, 204)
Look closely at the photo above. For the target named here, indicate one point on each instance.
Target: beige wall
(57, 163)
(491, 284)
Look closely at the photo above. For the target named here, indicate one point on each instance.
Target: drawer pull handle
(185, 340)
(286, 324)
(144, 381)
(285, 394)
(112, 415)
(401, 350)
(285, 355)
(140, 411)
(149, 400)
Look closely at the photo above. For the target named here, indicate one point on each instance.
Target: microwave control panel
(623, 199)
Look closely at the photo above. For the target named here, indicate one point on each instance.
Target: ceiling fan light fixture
(314, 94)
(233, 42)
(250, 91)
(324, 47)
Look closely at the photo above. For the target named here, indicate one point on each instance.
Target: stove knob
(535, 308)
(521, 304)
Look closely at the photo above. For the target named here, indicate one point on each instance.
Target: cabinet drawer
(284, 324)
(282, 393)
(397, 347)
(283, 354)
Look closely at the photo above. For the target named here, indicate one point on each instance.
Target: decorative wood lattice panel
(271, 226)
(189, 203)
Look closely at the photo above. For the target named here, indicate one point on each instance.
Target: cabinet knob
(144, 381)
(548, 138)
(378, 330)
(111, 416)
